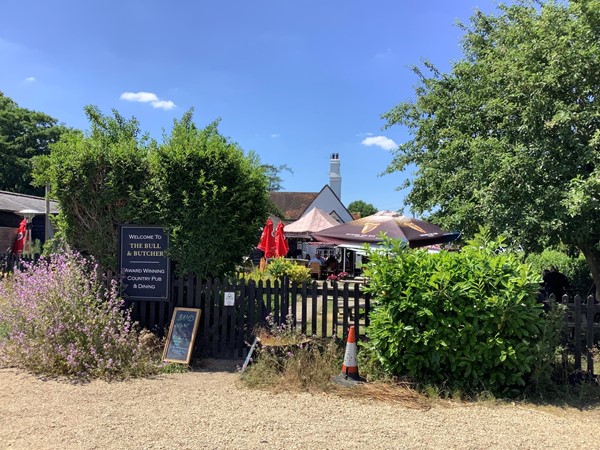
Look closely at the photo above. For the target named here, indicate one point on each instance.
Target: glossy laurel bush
(468, 319)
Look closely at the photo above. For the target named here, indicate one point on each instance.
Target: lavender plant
(60, 320)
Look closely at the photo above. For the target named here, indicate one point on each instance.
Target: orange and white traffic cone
(350, 366)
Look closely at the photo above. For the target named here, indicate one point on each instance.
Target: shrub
(280, 267)
(467, 319)
(257, 275)
(298, 273)
(208, 194)
(61, 321)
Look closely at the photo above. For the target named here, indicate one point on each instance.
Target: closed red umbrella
(20, 241)
(267, 240)
(281, 243)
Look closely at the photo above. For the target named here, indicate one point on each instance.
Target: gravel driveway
(209, 409)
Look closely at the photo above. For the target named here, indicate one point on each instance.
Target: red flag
(20, 241)
(281, 243)
(267, 241)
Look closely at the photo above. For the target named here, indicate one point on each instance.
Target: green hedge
(466, 319)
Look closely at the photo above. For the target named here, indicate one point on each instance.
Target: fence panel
(320, 308)
(582, 336)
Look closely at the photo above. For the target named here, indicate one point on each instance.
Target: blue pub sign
(143, 262)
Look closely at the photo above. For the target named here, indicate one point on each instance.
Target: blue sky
(292, 80)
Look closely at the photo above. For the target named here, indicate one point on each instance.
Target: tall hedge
(96, 178)
(467, 319)
(209, 195)
(201, 187)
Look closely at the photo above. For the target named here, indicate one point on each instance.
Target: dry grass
(307, 365)
(397, 393)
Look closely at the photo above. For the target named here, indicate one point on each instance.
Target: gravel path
(211, 410)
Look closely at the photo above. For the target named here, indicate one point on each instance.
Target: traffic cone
(350, 366)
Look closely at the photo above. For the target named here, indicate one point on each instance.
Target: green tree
(273, 174)
(510, 137)
(96, 178)
(359, 206)
(23, 135)
(209, 195)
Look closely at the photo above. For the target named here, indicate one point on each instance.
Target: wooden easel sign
(182, 334)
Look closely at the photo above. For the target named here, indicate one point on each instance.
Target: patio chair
(315, 269)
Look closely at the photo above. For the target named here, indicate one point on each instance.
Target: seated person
(316, 259)
(332, 264)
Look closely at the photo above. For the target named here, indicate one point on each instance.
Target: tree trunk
(592, 256)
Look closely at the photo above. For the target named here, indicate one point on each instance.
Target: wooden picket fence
(582, 332)
(10, 261)
(322, 309)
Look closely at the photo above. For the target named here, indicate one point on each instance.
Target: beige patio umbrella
(312, 222)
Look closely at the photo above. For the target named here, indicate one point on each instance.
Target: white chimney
(335, 178)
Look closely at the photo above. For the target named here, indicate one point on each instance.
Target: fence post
(335, 312)
(577, 332)
(325, 300)
(294, 304)
(285, 281)
(590, 334)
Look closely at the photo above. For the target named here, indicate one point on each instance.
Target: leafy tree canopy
(510, 137)
(24, 134)
(273, 174)
(359, 206)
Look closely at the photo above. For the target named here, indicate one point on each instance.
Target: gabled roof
(293, 204)
(14, 202)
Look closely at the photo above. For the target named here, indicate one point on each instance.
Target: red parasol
(267, 241)
(281, 243)
(20, 241)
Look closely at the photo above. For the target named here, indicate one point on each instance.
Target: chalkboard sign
(182, 333)
(143, 262)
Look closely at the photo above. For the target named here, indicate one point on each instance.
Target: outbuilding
(11, 204)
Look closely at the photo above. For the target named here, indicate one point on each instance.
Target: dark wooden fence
(582, 331)
(322, 309)
(8, 262)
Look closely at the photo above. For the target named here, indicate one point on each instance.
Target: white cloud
(163, 104)
(275, 135)
(30, 79)
(142, 97)
(380, 141)
(364, 134)
(147, 97)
